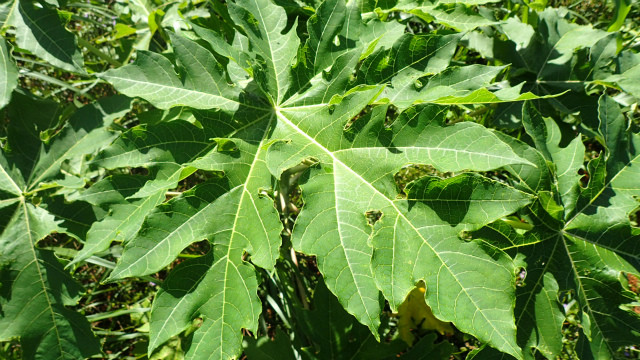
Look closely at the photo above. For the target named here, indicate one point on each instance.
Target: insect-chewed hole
(521, 275)
(373, 216)
(198, 248)
(391, 115)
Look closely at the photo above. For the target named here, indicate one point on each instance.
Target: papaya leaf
(338, 103)
(36, 290)
(587, 252)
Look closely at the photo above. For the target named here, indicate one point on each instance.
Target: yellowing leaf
(415, 316)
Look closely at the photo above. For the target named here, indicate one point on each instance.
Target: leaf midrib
(181, 89)
(346, 256)
(544, 271)
(40, 275)
(428, 148)
(271, 57)
(324, 28)
(584, 295)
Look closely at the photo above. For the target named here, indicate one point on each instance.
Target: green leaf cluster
(297, 120)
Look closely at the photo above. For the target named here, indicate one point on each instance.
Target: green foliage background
(271, 178)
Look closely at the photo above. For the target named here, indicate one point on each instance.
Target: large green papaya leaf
(312, 104)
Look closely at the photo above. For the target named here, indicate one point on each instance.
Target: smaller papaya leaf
(610, 198)
(165, 149)
(506, 234)
(75, 218)
(416, 68)
(39, 30)
(457, 15)
(626, 80)
(576, 243)
(566, 160)
(9, 74)
(529, 178)
(411, 58)
(36, 290)
(155, 71)
(555, 56)
(29, 116)
(86, 132)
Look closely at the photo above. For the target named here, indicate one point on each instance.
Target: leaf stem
(55, 81)
(518, 224)
(97, 52)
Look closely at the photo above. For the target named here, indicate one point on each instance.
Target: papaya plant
(320, 180)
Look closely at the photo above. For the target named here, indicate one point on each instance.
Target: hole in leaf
(225, 145)
(140, 171)
(199, 248)
(197, 177)
(392, 114)
(362, 113)
(593, 148)
(465, 235)
(521, 275)
(58, 241)
(416, 319)
(265, 193)
(634, 217)
(414, 172)
(373, 216)
(584, 180)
